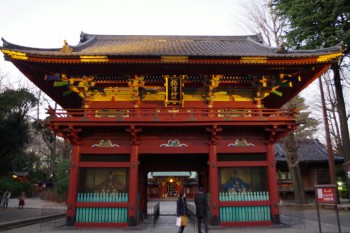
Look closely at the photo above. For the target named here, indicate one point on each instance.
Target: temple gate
(135, 104)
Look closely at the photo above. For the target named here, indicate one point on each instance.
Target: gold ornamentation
(173, 111)
(93, 59)
(329, 57)
(105, 143)
(15, 55)
(211, 83)
(253, 60)
(240, 142)
(174, 59)
(134, 85)
(112, 113)
(234, 113)
(173, 88)
(264, 81)
(81, 85)
(66, 48)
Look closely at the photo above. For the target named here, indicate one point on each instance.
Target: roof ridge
(170, 37)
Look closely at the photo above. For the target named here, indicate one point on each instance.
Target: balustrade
(91, 212)
(244, 207)
(102, 197)
(179, 114)
(101, 215)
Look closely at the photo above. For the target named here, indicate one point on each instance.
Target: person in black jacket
(182, 210)
(201, 210)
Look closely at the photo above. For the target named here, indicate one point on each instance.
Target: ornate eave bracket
(276, 132)
(210, 83)
(82, 85)
(133, 133)
(214, 130)
(135, 84)
(69, 133)
(265, 85)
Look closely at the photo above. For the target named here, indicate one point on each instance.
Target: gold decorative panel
(173, 86)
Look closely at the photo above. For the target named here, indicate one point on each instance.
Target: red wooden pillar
(213, 186)
(73, 186)
(133, 185)
(273, 190)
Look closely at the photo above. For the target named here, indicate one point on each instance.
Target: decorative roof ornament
(83, 37)
(66, 48)
(281, 48)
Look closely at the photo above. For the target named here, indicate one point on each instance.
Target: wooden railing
(173, 114)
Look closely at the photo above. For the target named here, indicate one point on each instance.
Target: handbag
(183, 220)
(178, 221)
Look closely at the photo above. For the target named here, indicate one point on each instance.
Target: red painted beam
(104, 164)
(242, 163)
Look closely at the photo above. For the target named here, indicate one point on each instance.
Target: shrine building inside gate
(132, 105)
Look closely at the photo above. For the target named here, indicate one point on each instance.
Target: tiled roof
(139, 45)
(310, 150)
(21, 173)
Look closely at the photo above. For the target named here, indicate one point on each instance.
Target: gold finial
(66, 48)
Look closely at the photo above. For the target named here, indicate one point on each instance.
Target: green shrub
(15, 186)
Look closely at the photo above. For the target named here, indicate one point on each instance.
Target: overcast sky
(47, 23)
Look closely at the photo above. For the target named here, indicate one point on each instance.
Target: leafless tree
(2, 78)
(260, 18)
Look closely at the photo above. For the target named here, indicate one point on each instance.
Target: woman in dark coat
(182, 210)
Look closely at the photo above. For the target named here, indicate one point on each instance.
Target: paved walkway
(34, 208)
(164, 224)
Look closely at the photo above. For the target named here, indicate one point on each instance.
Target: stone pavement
(164, 224)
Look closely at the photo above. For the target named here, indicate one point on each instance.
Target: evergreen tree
(306, 129)
(14, 125)
(320, 24)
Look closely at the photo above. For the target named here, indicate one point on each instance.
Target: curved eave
(222, 60)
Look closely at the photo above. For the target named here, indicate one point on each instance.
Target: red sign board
(326, 195)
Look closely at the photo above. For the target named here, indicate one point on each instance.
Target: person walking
(201, 210)
(5, 199)
(1, 194)
(182, 210)
(21, 201)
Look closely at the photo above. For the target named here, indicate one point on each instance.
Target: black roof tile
(141, 45)
(309, 150)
